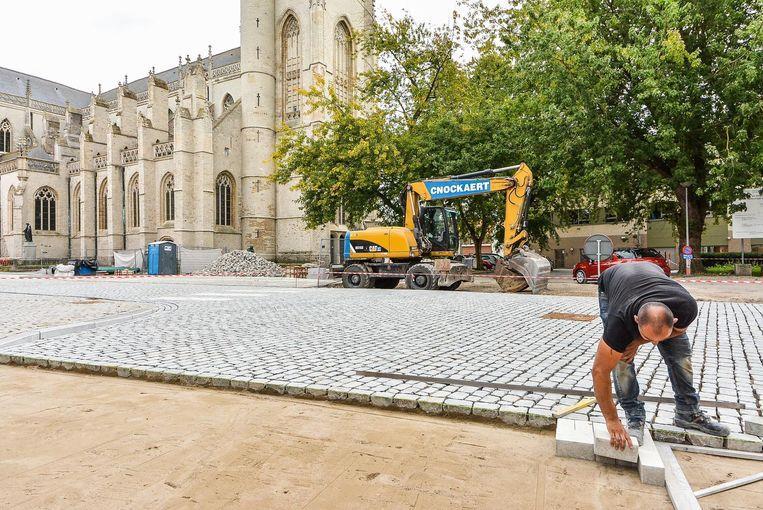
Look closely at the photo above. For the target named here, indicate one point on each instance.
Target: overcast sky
(81, 43)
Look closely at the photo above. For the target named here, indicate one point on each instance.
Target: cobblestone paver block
(698, 438)
(651, 468)
(754, 424)
(669, 433)
(574, 438)
(602, 446)
(744, 442)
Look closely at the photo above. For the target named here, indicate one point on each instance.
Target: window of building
(610, 216)
(11, 193)
(6, 137)
(581, 217)
(75, 215)
(103, 214)
(343, 62)
(171, 125)
(134, 202)
(45, 209)
(31, 121)
(228, 102)
(292, 66)
(223, 200)
(168, 198)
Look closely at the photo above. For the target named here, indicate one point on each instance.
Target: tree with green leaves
(642, 100)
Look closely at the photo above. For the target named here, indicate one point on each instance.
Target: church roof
(14, 83)
(170, 75)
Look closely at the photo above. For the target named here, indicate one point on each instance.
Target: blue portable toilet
(162, 258)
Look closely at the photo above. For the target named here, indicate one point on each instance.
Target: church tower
(258, 136)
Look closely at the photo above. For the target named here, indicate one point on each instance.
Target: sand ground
(82, 441)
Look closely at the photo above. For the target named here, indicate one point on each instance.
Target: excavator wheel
(386, 283)
(355, 276)
(508, 280)
(421, 277)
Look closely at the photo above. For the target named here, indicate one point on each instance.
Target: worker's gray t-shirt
(627, 287)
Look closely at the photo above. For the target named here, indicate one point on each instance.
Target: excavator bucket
(522, 270)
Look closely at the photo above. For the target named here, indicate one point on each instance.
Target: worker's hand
(619, 437)
(630, 352)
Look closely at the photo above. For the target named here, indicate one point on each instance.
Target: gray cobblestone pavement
(21, 313)
(311, 341)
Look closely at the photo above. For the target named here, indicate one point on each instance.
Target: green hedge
(723, 259)
(728, 269)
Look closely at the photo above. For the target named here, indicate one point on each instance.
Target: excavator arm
(519, 262)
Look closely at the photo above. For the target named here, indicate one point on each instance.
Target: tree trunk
(478, 252)
(697, 210)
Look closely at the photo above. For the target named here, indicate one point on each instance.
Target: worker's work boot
(700, 421)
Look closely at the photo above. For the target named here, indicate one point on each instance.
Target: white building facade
(182, 155)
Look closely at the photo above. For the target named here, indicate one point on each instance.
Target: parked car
(489, 260)
(587, 270)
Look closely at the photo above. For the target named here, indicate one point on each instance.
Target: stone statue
(28, 233)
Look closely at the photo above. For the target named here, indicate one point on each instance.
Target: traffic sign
(598, 245)
(687, 250)
(687, 256)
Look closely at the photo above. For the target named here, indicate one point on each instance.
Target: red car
(588, 269)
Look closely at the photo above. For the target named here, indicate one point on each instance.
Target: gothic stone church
(182, 155)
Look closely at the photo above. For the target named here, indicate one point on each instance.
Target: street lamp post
(686, 211)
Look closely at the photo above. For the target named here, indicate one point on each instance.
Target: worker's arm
(603, 364)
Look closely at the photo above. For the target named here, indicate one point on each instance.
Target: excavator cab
(440, 228)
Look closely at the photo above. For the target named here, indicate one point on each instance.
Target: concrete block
(698, 438)
(67, 365)
(278, 387)
(296, 389)
(317, 390)
(337, 393)
(456, 406)
(753, 425)
(485, 410)
(431, 405)
(257, 385)
(513, 415)
(668, 433)
(239, 383)
(382, 399)
(603, 448)
(574, 439)
(540, 418)
(108, 369)
(53, 363)
(361, 396)
(651, 469)
(744, 442)
(405, 401)
(5, 359)
(169, 376)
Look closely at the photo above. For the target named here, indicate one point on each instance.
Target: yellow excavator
(422, 251)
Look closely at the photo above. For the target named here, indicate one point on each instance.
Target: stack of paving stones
(242, 263)
(591, 441)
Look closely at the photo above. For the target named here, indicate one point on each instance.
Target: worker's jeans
(677, 355)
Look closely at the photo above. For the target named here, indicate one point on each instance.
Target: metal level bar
(588, 401)
(715, 489)
(534, 389)
(718, 452)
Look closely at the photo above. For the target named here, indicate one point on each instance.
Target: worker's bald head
(655, 321)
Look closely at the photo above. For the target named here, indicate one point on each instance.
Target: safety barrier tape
(680, 279)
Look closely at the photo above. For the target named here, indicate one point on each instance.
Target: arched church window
(6, 136)
(224, 200)
(171, 124)
(343, 62)
(292, 66)
(168, 198)
(227, 102)
(45, 209)
(103, 214)
(134, 194)
(75, 213)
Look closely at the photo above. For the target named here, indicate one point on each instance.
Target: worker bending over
(638, 305)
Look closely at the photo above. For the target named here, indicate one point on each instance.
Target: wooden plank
(523, 387)
(715, 489)
(735, 454)
(679, 490)
(575, 407)
(579, 317)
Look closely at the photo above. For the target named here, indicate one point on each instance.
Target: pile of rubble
(242, 263)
